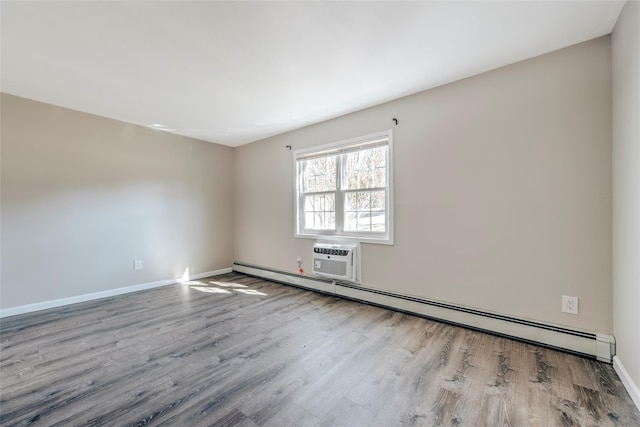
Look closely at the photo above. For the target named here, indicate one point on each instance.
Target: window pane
(330, 220)
(377, 200)
(380, 157)
(364, 178)
(319, 202)
(319, 212)
(330, 183)
(365, 159)
(350, 221)
(379, 178)
(310, 220)
(319, 174)
(365, 168)
(364, 199)
(330, 202)
(365, 211)
(351, 202)
(351, 170)
(377, 221)
(364, 221)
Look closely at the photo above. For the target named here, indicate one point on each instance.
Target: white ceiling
(236, 72)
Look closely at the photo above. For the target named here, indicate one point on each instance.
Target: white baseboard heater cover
(589, 344)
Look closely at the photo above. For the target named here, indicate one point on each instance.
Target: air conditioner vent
(336, 261)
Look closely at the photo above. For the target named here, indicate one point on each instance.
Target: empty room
(320, 213)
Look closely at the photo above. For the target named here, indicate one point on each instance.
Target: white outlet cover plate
(569, 304)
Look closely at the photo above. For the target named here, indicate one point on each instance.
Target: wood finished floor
(239, 351)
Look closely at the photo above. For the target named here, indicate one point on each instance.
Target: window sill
(383, 240)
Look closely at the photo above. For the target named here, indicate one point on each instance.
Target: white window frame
(339, 234)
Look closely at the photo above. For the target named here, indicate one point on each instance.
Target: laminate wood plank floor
(234, 350)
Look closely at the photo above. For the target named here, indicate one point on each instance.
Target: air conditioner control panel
(328, 251)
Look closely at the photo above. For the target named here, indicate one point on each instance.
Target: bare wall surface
(502, 191)
(626, 187)
(84, 196)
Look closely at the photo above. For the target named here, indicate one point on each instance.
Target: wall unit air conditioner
(337, 261)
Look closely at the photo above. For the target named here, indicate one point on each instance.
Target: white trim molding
(590, 344)
(627, 381)
(28, 308)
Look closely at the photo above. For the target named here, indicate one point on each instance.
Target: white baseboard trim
(591, 344)
(628, 382)
(28, 308)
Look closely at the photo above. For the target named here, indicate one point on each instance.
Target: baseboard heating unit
(589, 344)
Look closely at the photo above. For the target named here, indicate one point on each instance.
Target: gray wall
(83, 196)
(626, 188)
(502, 191)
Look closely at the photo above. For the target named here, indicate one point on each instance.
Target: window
(343, 190)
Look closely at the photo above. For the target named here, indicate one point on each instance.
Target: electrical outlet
(137, 264)
(299, 261)
(569, 304)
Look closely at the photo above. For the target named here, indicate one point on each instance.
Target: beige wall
(502, 191)
(502, 195)
(83, 196)
(626, 188)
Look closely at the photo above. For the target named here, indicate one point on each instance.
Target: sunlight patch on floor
(219, 288)
(250, 292)
(210, 290)
(228, 285)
